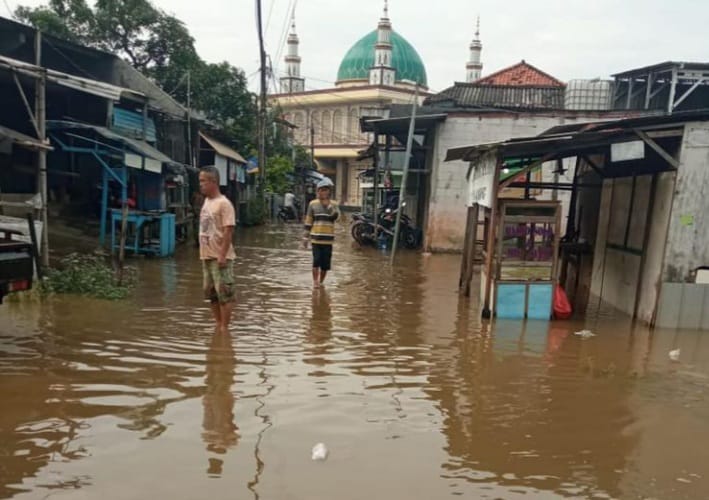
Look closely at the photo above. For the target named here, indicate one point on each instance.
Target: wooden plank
(657, 148)
(466, 260)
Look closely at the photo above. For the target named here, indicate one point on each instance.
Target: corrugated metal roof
(501, 96)
(223, 149)
(94, 87)
(663, 67)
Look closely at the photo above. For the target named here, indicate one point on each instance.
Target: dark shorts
(322, 256)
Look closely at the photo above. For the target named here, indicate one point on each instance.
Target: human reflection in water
(320, 328)
(220, 432)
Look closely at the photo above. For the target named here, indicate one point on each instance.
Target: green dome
(360, 58)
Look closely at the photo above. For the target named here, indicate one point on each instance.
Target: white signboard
(626, 151)
(133, 161)
(482, 182)
(153, 165)
(221, 164)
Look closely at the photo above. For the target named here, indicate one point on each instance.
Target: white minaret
(292, 82)
(474, 67)
(382, 73)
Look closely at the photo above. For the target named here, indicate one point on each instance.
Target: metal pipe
(404, 178)
(41, 116)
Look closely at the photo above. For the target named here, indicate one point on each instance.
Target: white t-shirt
(290, 200)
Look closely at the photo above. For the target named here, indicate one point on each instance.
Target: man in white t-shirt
(289, 204)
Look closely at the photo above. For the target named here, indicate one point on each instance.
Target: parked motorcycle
(366, 232)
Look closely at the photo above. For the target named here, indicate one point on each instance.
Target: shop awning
(223, 149)
(14, 137)
(139, 147)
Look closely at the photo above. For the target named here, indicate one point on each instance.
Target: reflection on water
(413, 394)
(220, 431)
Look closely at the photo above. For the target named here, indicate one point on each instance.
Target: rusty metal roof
(521, 74)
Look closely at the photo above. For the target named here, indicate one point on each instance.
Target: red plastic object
(562, 307)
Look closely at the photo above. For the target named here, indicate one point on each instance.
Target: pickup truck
(16, 263)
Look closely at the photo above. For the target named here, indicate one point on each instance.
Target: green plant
(88, 275)
(277, 172)
(255, 212)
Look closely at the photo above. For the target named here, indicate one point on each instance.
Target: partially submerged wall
(684, 304)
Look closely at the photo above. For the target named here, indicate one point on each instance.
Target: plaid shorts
(218, 281)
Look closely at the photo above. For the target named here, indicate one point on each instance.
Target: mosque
(380, 70)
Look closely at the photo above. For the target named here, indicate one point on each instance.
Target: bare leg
(225, 312)
(316, 277)
(216, 312)
(322, 276)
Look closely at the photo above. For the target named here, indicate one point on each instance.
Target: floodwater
(413, 395)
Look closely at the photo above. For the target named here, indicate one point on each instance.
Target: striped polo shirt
(320, 222)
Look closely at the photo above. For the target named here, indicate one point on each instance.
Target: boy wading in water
(216, 251)
(320, 230)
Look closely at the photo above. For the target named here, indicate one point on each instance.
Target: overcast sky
(567, 38)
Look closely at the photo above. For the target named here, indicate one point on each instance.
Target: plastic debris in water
(585, 334)
(674, 355)
(320, 452)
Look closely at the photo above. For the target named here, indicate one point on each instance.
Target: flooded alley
(413, 394)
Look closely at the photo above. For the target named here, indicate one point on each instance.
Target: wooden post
(468, 263)
(122, 242)
(491, 230)
(466, 252)
(35, 251)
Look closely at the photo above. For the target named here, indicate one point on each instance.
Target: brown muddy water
(413, 395)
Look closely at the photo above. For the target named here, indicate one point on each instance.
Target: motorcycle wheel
(360, 231)
(411, 239)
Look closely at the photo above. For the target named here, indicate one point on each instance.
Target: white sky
(567, 38)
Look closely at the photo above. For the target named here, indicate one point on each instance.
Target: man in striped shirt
(320, 230)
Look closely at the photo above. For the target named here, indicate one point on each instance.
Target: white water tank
(589, 95)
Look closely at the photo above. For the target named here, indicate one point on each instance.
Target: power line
(270, 12)
(9, 10)
(290, 12)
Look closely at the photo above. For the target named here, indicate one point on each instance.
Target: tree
(160, 46)
(277, 171)
(133, 29)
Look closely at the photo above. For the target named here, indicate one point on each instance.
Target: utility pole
(312, 160)
(404, 178)
(189, 119)
(264, 88)
(41, 117)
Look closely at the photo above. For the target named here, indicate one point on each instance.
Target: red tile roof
(521, 75)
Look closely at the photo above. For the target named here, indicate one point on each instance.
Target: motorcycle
(288, 214)
(365, 232)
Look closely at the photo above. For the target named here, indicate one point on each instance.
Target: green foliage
(88, 275)
(159, 45)
(255, 212)
(277, 170)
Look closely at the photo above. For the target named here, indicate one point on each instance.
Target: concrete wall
(688, 239)
(445, 228)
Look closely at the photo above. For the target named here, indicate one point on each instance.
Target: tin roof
(500, 96)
